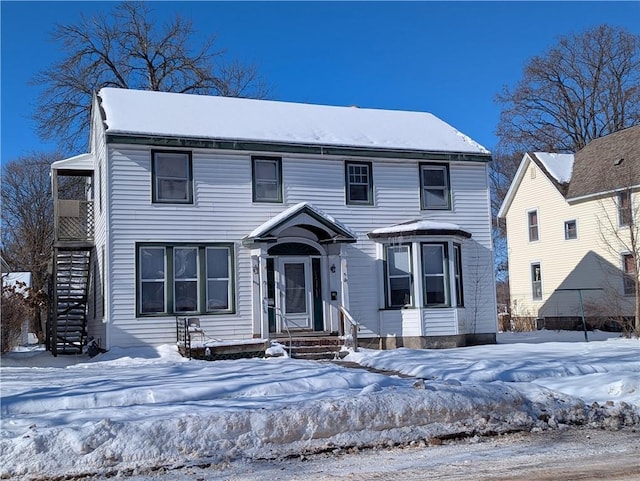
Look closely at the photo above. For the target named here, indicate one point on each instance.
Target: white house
(260, 217)
(569, 219)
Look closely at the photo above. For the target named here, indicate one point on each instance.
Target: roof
(419, 227)
(557, 168)
(604, 165)
(607, 164)
(306, 215)
(82, 162)
(163, 114)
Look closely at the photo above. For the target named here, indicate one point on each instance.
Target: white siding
(96, 325)
(223, 211)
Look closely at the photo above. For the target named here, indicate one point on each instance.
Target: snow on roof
(417, 226)
(137, 112)
(267, 226)
(559, 166)
(79, 162)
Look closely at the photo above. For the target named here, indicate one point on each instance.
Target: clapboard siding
(566, 264)
(96, 326)
(223, 211)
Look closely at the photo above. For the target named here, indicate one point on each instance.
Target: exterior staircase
(314, 347)
(67, 330)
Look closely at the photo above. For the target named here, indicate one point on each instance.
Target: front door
(296, 293)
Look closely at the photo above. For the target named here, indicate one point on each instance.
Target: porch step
(314, 348)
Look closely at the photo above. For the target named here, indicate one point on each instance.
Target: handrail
(355, 327)
(285, 323)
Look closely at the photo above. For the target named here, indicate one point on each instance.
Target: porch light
(333, 268)
(256, 269)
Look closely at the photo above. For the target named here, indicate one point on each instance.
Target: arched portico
(299, 272)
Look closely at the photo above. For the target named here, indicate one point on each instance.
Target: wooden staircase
(314, 347)
(67, 327)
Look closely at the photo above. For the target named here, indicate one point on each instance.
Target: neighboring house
(260, 217)
(568, 230)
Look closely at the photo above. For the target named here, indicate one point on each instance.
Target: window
(629, 269)
(398, 275)
(434, 187)
(434, 270)
(536, 281)
(267, 179)
(359, 183)
(457, 266)
(218, 278)
(152, 284)
(171, 173)
(179, 279)
(570, 230)
(532, 217)
(185, 275)
(624, 209)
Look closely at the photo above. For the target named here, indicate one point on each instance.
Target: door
(296, 294)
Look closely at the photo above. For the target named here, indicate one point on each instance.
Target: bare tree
(129, 49)
(586, 86)
(620, 233)
(27, 216)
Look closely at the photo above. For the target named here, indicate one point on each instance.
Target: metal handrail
(355, 327)
(285, 323)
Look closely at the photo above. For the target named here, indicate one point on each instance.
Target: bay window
(398, 275)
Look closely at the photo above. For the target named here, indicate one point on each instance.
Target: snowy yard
(144, 408)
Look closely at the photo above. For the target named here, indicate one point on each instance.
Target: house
(569, 219)
(262, 218)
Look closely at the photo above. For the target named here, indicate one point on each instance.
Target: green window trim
(358, 182)
(457, 272)
(167, 279)
(260, 185)
(435, 186)
(171, 179)
(439, 277)
(403, 279)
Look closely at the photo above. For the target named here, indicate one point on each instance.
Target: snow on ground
(138, 409)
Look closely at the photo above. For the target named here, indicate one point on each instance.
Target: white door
(295, 296)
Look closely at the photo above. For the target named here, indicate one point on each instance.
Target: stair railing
(354, 327)
(285, 324)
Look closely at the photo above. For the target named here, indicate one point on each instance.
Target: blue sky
(447, 58)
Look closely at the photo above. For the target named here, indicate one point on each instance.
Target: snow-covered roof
(559, 166)
(558, 169)
(420, 227)
(148, 113)
(338, 228)
(79, 162)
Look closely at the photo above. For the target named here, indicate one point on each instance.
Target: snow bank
(133, 410)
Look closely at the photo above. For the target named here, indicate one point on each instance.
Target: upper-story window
(532, 220)
(434, 187)
(570, 230)
(358, 183)
(625, 217)
(267, 179)
(171, 177)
